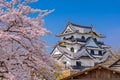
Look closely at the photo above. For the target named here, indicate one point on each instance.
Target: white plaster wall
(76, 47)
(81, 30)
(76, 36)
(68, 47)
(67, 60)
(86, 36)
(84, 30)
(98, 39)
(56, 51)
(65, 36)
(73, 62)
(87, 30)
(79, 36)
(86, 62)
(95, 51)
(92, 43)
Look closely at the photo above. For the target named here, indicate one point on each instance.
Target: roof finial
(92, 26)
(69, 22)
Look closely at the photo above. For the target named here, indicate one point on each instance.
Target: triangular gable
(83, 52)
(55, 51)
(67, 30)
(116, 65)
(92, 43)
(64, 58)
(96, 34)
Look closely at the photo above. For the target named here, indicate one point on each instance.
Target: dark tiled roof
(75, 27)
(80, 26)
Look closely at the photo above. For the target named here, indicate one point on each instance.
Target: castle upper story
(78, 31)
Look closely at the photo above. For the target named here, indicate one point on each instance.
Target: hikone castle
(81, 48)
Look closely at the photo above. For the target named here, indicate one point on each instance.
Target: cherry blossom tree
(22, 53)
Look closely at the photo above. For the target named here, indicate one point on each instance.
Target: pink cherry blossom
(22, 53)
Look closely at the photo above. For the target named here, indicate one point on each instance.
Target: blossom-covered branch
(21, 50)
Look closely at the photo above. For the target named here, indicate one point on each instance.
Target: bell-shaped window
(64, 38)
(83, 38)
(95, 39)
(92, 52)
(78, 63)
(100, 53)
(72, 49)
(64, 62)
(72, 36)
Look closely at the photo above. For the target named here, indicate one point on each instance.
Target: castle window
(100, 53)
(83, 38)
(72, 49)
(78, 63)
(64, 38)
(72, 37)
(95, 39)
(64, 62)
(92, 51)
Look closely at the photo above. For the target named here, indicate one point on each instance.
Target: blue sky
(103, 14)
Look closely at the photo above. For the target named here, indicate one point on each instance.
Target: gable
(83, 53)
(64, 58)
(56, 51)
(116, 65)
(92, 43)
(68, 30)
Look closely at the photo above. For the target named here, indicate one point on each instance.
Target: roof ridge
(77, 25)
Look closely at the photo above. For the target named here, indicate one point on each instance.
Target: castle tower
(80, 47)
